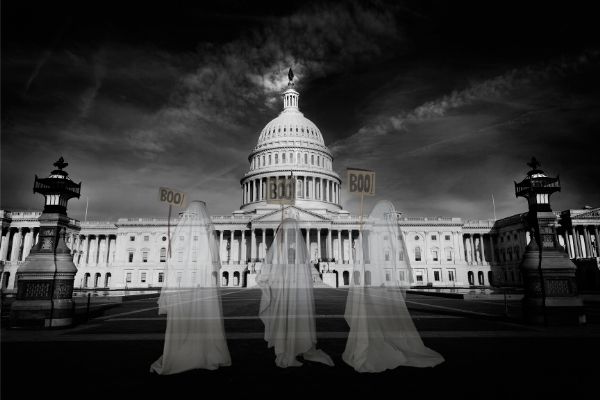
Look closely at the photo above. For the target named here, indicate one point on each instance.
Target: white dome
(292, 144)
(290, 124)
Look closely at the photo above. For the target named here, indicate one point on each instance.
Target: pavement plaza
(486, 352)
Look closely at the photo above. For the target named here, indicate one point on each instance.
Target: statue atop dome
(291, 77)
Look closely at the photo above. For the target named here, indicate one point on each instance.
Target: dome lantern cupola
(290, 95)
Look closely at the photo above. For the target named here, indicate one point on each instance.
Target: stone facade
(443, 252)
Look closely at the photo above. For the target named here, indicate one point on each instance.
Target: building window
(451, 276)
(433, 237)
(387, 255)
(435, 255)
(180, 256)
(283, 158)
(144, 256)
(128, 277)
(417, 253)
(132, 238)
(447, 237)
(195, 238)
(305, 158)
(436, 275)
(387, 276)
(419, 276)
(161, 277)
(146, 238)
(401, 276)
(416, 237)
(194, 256)
(448, 255)
(269, 159)
(143, 277)
(131, 256)
(164, 238)
(276, 158)
(400, 255)
(163, 254)
(480, 277)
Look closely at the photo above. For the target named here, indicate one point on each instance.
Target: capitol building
(130, 253)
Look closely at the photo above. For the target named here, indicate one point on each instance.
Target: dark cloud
(136, 98)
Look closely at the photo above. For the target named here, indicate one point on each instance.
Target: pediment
(595, 213)
(295, 212)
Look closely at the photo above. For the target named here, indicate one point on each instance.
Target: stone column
(308, 243)
(4, 244)
(492, 257)
(472, 243)
(16, 245)
(329, 245)
(565, 237)
(350, 255)
(253, 244)
(319, 243)
(588, 242)
(221, 246)
(597, 241)
(264, 243)
(97, 250)
(28, 243)
(359, 245)
(339, 246)
(577, 243)
(243, 256)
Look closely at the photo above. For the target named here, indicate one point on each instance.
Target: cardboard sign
(281, 191)
(361, 181)
(171, 196)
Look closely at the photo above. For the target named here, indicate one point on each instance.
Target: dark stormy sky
(445, 100)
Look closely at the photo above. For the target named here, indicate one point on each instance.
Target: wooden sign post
(362, 182)
(173, 198)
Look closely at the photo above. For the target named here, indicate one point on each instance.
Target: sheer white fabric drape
(287, 304)
(382, 333)
(195, 334)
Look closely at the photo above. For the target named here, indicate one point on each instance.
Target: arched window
(225, 279)
(5, 278)
(163, 254)
(312, 159)
(491, 277)
(276, 158)
(417, 253)
(356, 277)
(387, 254)
(269, 159)
(448, 254)
(480, 278)
(346, 277)
(283, 158)
(471, 277)
(236, 278)
(305, 158)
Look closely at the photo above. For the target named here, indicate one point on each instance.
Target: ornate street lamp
(45, 280)
(549, 275)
